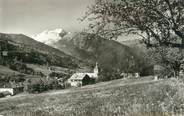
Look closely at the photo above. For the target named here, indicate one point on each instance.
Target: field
(138, 97)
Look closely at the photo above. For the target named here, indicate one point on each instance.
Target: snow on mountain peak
(50, 37)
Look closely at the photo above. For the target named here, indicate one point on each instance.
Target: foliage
(158, 22)
(36, 88)
(39, 85)
(4, 94)
(23, 49)
(106, 75)
(170, 58)
(58, 75)
(21, 67)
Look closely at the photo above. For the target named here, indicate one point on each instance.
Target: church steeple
(96, 69)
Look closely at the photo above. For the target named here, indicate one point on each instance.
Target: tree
(159, 23)
(170, 58)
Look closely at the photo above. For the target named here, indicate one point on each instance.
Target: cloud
(50, 36)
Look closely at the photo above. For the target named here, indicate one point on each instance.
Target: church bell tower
(96, 69)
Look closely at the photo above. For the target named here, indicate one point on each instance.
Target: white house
(80, 79)
(12, 91)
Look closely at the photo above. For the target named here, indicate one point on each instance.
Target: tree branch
(170, 44)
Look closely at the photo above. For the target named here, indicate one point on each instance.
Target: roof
(78, 76)
(92, 75)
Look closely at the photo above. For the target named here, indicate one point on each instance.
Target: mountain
(25, 41)
(111, 55)
(141, 48)
(135, 43)
(21, 48)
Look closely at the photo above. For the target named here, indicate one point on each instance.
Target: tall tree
(170, 58)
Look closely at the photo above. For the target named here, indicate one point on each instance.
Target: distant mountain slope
(135, 43)
(141, 48)
(5, 70)
(110, 55)
(29, 42)
(28, 50)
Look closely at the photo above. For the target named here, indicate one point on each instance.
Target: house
(13, 90)
(8, 90)
(81, 79)
(5, 53)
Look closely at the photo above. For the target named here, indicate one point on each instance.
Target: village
(37, 85)
(91, 57)
(35, 81)
(54, 78)
(78, 79)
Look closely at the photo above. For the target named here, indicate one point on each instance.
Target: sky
(30, 17)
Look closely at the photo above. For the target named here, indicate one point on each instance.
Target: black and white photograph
(91, 57)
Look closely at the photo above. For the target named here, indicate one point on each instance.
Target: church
(82, 79)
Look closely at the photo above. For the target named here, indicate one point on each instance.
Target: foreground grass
(116, 98)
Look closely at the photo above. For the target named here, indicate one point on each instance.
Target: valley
(91, 57)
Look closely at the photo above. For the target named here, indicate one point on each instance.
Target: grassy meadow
(115, 98)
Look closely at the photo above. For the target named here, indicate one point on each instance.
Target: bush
(21, 68)
(1, 95)
(36, 88)
(4, 94)
(42, 85)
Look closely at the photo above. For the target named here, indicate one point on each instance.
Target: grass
(115, 98)
(45, 70)
(6, 71)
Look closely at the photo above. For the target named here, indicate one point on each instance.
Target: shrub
(4, 94)
(21, 68)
